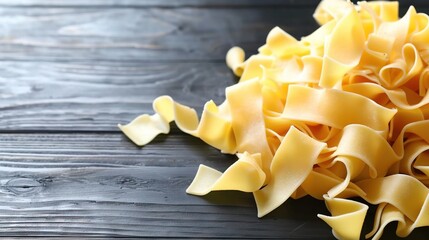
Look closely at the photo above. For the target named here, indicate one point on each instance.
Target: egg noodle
(340, 115)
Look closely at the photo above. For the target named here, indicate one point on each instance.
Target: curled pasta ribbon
(415, 131)
(244, 175)
(394, 206)
(347, 34)
(282, 45)
(253, 67)
(354, 168)
(314, 105)
(322, 181)
(316, 41)
(416, 160)
(384, 215)
(422, 164)
(410, 212)
(363, 152)
(248, 121)
(347, 217)
(291, 164)
(297, 70)
(399, 30)
(385, 11)
(235, 59)
(376, 52)
(424, 82)
(214, 128)
(419, 38)
(329, 10)
(363, 143)
(401, 71)
(401, 98)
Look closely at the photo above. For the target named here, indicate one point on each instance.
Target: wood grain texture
(179, 3)
(79, 150)
(92, 184)
(162, 3)
(88, 96)
(132, 34)
(102, 185)
(137, 201)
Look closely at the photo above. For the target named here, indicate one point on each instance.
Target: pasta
(339, 114)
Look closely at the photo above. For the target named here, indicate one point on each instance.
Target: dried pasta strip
(215, 126)
(245, 102)
(244, 175)
(335, 108)
(234, 60)
(386, 11)
(399, 30)
(353, 167)
(318, 183)
(417, 129)
(415, 158)
(360, 146)
(400, 71)
(398, 96)
(317, 40)
(347, 34)
(322, 180)
(347, 217)
(150, 125)
(396, 191)
(377, 220)
(422, 164)
(420, 37)
(388, 214)
(365, 144)
(424, 82)
(306, 69)
(329, 10)
(290, 166)
(252, 67)
(376, 52)
(282, 45)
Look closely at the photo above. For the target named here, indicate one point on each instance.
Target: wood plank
(89, 96)
(102, 185)
(138, 201)
(89, 185)
(178, 3)
(106, 150)
(157, 3)
(148, 34)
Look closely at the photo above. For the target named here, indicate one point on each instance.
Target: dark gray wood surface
(71, 70)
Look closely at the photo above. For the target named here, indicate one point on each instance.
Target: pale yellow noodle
(290, 166)
(208, 179)
(335, 108)
(350, 214)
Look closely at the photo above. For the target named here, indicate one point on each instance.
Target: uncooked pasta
(341, 114)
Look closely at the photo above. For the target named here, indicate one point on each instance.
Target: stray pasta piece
(339, 114)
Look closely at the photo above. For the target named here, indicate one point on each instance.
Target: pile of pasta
(340, 114)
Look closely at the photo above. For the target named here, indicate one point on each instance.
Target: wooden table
(71, 70)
